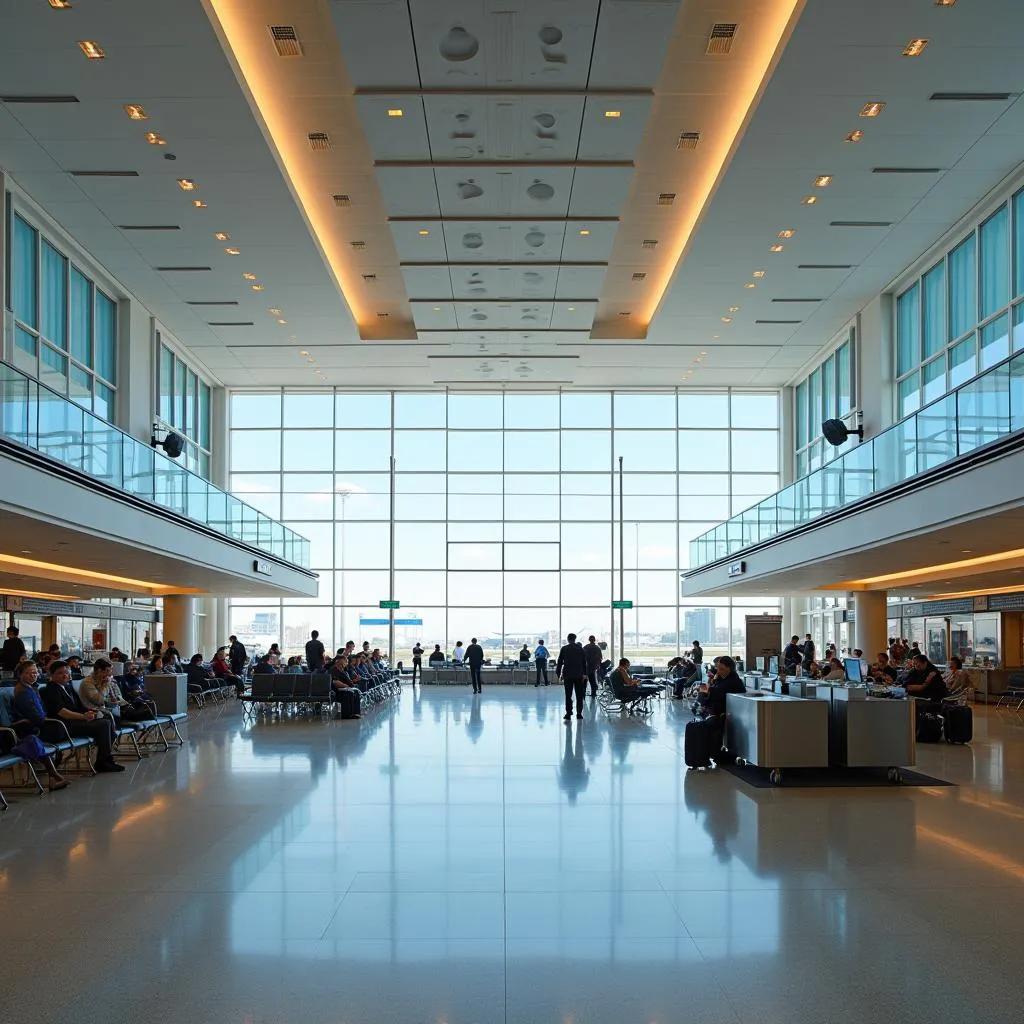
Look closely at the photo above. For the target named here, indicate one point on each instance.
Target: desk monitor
(759, 664)
(853, 670)
(773, 665)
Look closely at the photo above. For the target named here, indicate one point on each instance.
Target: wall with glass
(827, 392)
(962, 313)
(506, 510)
(184, 405)
(65, 325)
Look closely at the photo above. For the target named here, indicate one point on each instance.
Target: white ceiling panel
(376, 42)
(504, 315)
(537, 43)
(489, 370)
(392, 135)
(468, 127)
(504, 192)
(573, 316)
(613, 127)
(408, 192)
(483, 281)
(418, 240)
(589, 241)
(631, 42)
(434, 316)
(579, 282)
(428, 282)
(599, 191)
(504, 241)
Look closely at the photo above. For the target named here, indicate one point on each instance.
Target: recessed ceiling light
(726, 319)
(395, 112)
(759, 273)
(424, 232)
(282, 321)
(750, 284)
(855, 136)
(570, 309)
(248, 277)
(915, 47)
(809, 200)
(944, 3)
(92, 50)
(734, 309)
(136, 111)
(872, 109)
(187, 185)
(303, 353)
(787, 233)
(965, 551)
(275, 311)
(222, 236)
(155, 139)
(60, 5)
(258, 287)
(823, 181)
(199, 204)
(233, 252)
(613, 113)
(714, 337)
(776, 248)
(584, 231)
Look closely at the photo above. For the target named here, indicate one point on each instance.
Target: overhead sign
(262, 567)
(390, 604)
(622, 604)
(737, 568)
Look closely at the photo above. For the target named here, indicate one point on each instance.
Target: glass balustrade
(976, 414)
(34, 416)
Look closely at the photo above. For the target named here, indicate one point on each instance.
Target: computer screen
(773, 665)
(853, 670)
(759, 664)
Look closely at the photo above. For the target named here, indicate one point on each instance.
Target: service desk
(169, 690)
(775, 731)
(868, 732)
(448, 675)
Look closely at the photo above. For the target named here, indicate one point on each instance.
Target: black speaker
(173, 444)
(836, 432)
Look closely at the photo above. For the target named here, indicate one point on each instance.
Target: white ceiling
(485, 229)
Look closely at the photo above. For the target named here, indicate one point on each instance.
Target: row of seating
(76, 752)
(615, 697)
(310, 691)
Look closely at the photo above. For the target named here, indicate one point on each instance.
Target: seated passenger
(957, 680)
(459, 654)
(621, 678)
(264, 666)
(884, 672)
(30, 720)
(133, 689)
(524, 654)
(713, 693)
(61, 701)
(836, 672)
(436, 656)
(294, 667)
(222, 670)
(74, 663)
(925, 681)
(199, 677)
(102, 683)
(274, 656)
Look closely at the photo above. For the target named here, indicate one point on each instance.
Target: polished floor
(460, 860)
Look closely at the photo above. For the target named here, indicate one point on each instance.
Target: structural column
(180, 623)
(871, 622)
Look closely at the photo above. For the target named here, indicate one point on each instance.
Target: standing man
(13, 650)
(572, 667)
(314, 652)
(808, 651)
(697, 654)
(592, 654)
(417, 661)
(792, 655)
(540, 656)
(237, 656)
(475, 660)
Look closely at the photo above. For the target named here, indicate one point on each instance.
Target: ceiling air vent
(906, 170)
(182, 270)
(968, 97)
(666, 198)
(774, 322)
(149, 227)
(319, 141)
(370, 278)
(104, 174)
(383, 316)
(625, 312)
(358, 245)
(212, 302)
(639, 276)
(720, 40)
(860, 223)
(230, 323)
(39, 99)
(340, 199)
(286, 42)
(824, 266)
(649, 243)
(688, 140)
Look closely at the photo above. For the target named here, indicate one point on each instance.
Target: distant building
(699, 624)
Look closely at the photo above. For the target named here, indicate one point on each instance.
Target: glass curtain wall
(506, 512)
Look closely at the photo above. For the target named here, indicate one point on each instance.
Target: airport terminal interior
(631, 393)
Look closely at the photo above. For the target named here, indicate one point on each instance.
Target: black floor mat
(830, 778)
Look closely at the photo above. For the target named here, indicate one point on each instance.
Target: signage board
(390, 604)
(737, 568)
(622, 604)
(262, 567)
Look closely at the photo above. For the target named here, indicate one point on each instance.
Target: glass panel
(420, 410)
(310, 409)
(60, 428)
(963, 308)
(934, 285)
(102, 451)
(531, 412)
(421, 546)
(963, 361)
(106, 338)
(895, 454)
(1018, 327)
(178, 402)
(993, 237)
(644, 410)
(814, 417)
(474, 449)
(535, 451)
(363, 449)
(908, 398)
(845, 381)
(421, 450)
(936, 433)
(983, 409)
(934, 376)
(697, 409)
(753, 410)
(802, 436)
(103, 401)
(474, 412)
(1018, 244)
(53, 369)
(308, 450)
(80, 386)
(81, 317)
(755, 451)
(586, 410)
(908, 330)
(703, 450)
(255, 410)
(995, 341)
(584, 450)
(191, 392)
(25, 273)
(255, 450)
(204, 416)
(54, 296)
(643, 450)
(1017, 392)
(828, 388)
(363, 410)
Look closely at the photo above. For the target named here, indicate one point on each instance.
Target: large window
(65, 325)
(505, 510)
(954, 320)
(827, 392)
(183, 405)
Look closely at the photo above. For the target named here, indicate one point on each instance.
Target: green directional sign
(390, 604)
(622, 604)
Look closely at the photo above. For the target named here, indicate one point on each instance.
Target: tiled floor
(451, 860)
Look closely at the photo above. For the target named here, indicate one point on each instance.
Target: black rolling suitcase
(959, 723)
(929, 727)
(702, 742)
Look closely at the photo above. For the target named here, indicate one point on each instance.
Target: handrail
(978, 413)
(38, 418)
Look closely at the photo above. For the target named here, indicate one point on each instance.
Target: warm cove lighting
(765, 44)
(245, 38)
(977, 593)
(944, 568)
(90, 576)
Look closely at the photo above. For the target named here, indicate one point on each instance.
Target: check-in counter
(868, 732)
(169, 690)
(775, 731)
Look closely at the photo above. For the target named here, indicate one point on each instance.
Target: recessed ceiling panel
(504, 315)
(486, 369)
(631, 42)
(480, 282)
(408, 192)
(613, 127)
(376, 41)
(504, 192)
(599, 191)
(395, 127)
(418, 240)
(536, 43)
(504, 241)
(434, 316)
(427, 282)
(471, 127)
(573, 316)
(579, 282)
(588, 241)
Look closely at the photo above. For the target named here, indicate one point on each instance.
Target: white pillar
(180, 623)
(870, 628)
